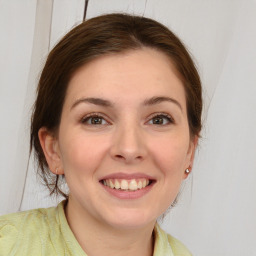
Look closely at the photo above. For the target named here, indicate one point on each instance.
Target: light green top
(45, 232)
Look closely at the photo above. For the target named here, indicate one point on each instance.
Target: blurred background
(216, 212)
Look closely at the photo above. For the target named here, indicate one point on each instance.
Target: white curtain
(216, 212)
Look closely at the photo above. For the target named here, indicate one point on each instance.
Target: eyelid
(103, 116)
(168, 116)
(94, 114)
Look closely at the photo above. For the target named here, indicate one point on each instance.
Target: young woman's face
(123, 140)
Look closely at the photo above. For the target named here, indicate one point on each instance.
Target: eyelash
(92, 115)
(164, 116)
(169, 119)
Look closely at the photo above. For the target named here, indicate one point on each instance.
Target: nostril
(121, 157)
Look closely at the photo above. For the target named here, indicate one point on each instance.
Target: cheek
(82, 153)
(170, 155)
(81, 156)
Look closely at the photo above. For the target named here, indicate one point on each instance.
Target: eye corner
(97, 119)
(164, 119)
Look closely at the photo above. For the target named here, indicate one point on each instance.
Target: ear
(191, 155)
(50, 146)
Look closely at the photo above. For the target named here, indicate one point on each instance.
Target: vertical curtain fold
(41, 45)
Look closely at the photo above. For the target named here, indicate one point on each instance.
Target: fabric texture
(45, 232)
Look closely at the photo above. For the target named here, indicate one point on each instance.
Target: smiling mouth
(127, 185)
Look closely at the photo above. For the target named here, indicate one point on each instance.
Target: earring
(187, 171)
(56, 171)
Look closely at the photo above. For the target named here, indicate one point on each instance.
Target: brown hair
(106, 34)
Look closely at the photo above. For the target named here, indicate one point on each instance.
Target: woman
(118, 115)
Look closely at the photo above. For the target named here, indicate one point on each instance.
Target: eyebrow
(106, 103)
(95, 101)
(160, 99)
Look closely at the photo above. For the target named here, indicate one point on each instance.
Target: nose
(128, 145)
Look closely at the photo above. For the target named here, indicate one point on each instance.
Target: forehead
(134, 74)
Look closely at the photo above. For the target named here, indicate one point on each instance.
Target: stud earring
(187, 171)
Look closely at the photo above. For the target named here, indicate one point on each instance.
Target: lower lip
(123, 194)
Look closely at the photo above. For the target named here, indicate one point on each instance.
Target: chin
(130, 219)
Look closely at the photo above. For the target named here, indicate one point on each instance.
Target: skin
(131, 137)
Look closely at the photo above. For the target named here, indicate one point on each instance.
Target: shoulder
(18, 216)
(27, 219)
(22, 230)
(166, 244)
(178, 247)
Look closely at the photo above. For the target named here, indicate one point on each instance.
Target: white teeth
(111, 184)
(117, 184)
(133, 185)
(126, 184)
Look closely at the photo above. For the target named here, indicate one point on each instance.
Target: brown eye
(94, 120)
(161, 120)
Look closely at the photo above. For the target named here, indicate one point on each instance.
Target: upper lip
(127, 176)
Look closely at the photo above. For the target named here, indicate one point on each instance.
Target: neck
(97, 239)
